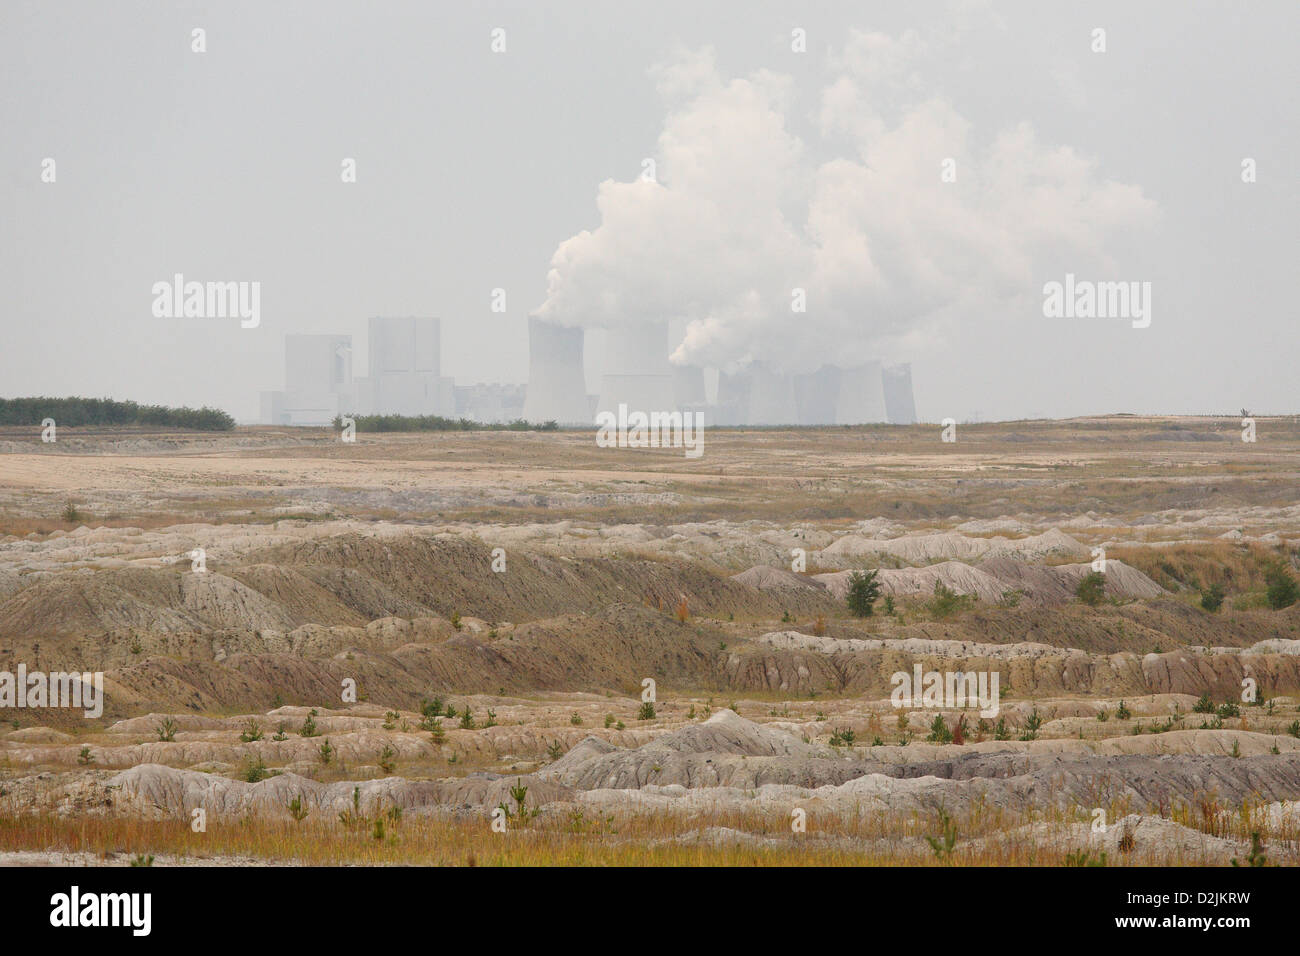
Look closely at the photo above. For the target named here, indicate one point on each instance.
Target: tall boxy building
(317, 381)
(405, 366)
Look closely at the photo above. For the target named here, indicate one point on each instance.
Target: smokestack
(557, 385)
(861, 398)
(900, 406)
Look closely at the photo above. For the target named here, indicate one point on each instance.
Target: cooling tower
(771, 397)
(899, 403)
(815, 394)
(861, 398)
(557, 389)
(688, 385)
(638, 373)
(733, 397)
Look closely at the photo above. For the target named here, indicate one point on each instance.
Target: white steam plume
(886, 251)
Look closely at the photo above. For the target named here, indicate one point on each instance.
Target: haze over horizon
(523, 170)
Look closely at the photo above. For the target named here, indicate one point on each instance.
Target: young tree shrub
(864, 589)
(1282, 588)
(946, 601)
(1092, 589)
(1212, 597)
(939, 732)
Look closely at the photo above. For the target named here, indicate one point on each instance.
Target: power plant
(405, 378)
(404, 361)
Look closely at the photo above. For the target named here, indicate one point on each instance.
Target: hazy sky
(775, 169)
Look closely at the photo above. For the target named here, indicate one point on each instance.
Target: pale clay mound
(726, 545)
(947, 546)
(728, 764)
(777, 579)
(962, 578)
(797, 640)
(152, 790)
(993, 579)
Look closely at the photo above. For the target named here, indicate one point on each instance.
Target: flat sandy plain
(534, 582)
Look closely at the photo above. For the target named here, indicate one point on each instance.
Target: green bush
(864, 589)
(1092, 589)
(436, 423)
(843, 737)
(939, 732)
(1282, 588)
(946, 601)
(1212, 597)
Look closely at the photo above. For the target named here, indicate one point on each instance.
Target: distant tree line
(105, 411)
(436, 423)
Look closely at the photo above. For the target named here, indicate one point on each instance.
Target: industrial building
(491, 402)
(861, 395)
(317, 381)
(405, 359)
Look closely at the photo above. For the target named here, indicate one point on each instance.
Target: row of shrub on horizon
(76, 411)
(436, 423)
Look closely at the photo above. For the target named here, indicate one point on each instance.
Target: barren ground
(373, 564)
